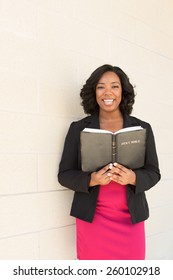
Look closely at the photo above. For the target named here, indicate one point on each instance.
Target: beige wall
(48, 48)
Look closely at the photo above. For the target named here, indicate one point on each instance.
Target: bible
(100, 147)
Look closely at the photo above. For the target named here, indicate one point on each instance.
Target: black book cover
(100, 147)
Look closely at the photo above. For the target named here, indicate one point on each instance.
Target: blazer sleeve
(70, 174)
(149, 175)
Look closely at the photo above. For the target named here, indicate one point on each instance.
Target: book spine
(113, 148)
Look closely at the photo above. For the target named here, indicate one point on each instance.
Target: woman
(109, 205)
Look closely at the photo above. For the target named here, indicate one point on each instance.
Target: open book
(100, 147)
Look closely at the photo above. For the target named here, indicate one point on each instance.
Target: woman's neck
(111, 121)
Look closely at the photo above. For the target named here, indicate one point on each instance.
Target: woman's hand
(101, 177)
(113, 172)
(123, 175)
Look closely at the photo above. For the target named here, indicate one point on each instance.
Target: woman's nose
(107, 90)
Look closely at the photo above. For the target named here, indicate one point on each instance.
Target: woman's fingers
(105, 169)
(123, 175)
(116, 172)
(104, 175)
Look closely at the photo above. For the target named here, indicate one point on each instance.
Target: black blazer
(71, 176)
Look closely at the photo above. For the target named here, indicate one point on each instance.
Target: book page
(95, 130)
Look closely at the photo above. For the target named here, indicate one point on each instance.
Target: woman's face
(109, 92)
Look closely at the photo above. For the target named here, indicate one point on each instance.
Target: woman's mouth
(108, 102)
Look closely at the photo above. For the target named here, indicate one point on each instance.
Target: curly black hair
(88, 91)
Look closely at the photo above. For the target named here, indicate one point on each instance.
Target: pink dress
(111, 235)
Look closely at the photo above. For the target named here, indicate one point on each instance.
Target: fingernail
(115, 163)
(110, 166)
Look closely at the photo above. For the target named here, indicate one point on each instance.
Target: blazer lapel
(129, 121)
(92, 121)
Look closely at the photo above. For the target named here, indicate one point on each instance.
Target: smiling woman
(109, 204)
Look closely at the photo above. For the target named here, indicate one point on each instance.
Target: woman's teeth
(108, 101)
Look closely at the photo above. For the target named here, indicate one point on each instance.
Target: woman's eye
(100, 87)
